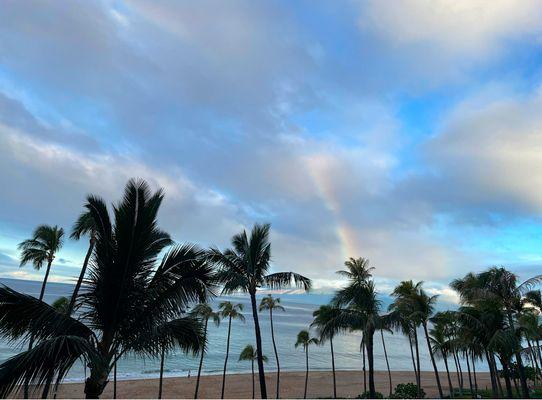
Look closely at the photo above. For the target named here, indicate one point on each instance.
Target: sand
(349, 384)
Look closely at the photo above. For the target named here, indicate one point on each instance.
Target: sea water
(296, 317)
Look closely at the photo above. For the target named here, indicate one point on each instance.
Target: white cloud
(489, 153)
(475, 29)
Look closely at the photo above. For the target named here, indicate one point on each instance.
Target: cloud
(468, 28)
(487, 156)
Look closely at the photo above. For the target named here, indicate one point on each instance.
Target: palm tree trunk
(432, 359)
(333, 368)
(412, 356)
(522, 377)
(201, 360)
(494, 388)
(370, 360)
(497, 378)
(162, 356)
(469, 371)
(364, 370)
(506, 373)
(81, 276)
(474, 375)
(261, 373)
(96, 382)
(226, 359)
(445, 357)
(456, 361)
(253, 387)
(115, 380)
(306, 371)
(418, 377)
(461, 386)
(277, 394)
(31, 344)
(387, 361)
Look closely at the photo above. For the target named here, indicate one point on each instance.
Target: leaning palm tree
(128, 295)
(250, 354)
(423, 306)
(270, 303)
(83, 226)
(244, 268)
(441, 346)
(41, 249)
(304, 340)
(204, 312)
(46, 241)
(323, 317)
(230, 311)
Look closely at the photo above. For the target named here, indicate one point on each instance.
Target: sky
(409, 133)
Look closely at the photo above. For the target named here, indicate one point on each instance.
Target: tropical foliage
(132, 303)
(244, 268)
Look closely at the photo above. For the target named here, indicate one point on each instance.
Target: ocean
(297, 316)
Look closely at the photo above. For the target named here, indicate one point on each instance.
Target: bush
(407, 391)
(365, 395)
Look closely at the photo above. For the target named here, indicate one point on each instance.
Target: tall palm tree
(46, 241)
(407, 319)
(358, 310)
(424, 306)
(83, 226)
(204, 312)
(441, 345)
(230, 311)
(270, 303)
(244, 268)
(323, 317)
(249, 353)
(132, 303)
(304, 340)
(41, 249)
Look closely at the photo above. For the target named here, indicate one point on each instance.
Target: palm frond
(48, 359)
(23, 316)
(281, 280)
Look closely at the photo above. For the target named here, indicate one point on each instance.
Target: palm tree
(244, 268)
(132, 303)
(441, 344)
(304, 339)
(83, 226)
(386, 358)
(322, 318)
(270, 303)
(407, 320)
(230, 311)
(46, 241)
(423, 306)
(205, 313)
(250, 354)
(501, 287)
(358, 310)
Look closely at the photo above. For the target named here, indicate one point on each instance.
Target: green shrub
(407, 391)
(365, 395)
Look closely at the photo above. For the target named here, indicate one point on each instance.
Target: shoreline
(239, 385)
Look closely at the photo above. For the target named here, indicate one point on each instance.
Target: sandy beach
(349, 384)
